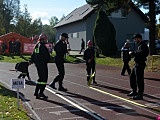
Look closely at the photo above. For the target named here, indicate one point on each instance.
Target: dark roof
(76, 15)
(84, 11)
(142, 15)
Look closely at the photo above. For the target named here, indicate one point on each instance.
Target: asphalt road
(106, 101)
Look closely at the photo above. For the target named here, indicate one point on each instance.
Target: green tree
(53, 21)
(104, 31)
(51, 31)
(154, 9)
(25, 26)
(104, 34)
(9, 10)
(48, 30)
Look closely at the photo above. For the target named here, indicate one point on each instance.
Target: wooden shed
(11, 37)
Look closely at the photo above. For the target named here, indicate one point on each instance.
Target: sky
(45, 9)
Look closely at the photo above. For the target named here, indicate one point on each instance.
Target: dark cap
(65, 35)
(137, 36)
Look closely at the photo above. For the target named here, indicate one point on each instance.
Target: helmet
(89, 43)
(42, 37)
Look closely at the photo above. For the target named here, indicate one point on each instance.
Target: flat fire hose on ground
(91, 78)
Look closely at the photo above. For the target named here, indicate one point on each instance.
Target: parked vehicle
(157, 43)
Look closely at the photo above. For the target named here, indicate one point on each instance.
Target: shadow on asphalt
(154, 79)
(70, 108)
(116, 108)
(113, 88)
(28, 82)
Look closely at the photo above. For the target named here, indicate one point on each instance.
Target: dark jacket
(140, 55)
(89, 53)
(40, 54)
(61, 49)
(22, 67)
(125, 54)
(82, 44)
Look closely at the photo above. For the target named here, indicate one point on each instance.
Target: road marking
(73, 118)
(126, 100)
(120, 107)
(76, 105)
(64, 111)
(153, 104)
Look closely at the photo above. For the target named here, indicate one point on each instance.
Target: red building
(11, 37)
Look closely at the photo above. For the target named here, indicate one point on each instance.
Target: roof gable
(76, 15)
(9, 36)
(86, 10)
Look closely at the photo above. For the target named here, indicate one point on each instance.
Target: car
(157, 43)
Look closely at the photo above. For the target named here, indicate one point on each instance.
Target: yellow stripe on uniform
(126, 100)
(42, 83)
(91, 78)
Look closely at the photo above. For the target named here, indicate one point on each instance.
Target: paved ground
(105, 101)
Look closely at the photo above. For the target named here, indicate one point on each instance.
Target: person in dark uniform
(61, 49)
(126, 57)
(23, 68)
(4, 47)
(89, 57)
(137, 74)
(82, 46)
(41, 57)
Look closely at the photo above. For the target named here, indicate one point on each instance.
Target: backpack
(19, 67)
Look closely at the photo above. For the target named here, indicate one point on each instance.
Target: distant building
(12, 37)
(80, 23)
(146, 34)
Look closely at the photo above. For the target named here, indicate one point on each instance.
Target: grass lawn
(8, 106)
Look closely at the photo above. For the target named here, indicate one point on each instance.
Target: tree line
(14, 20)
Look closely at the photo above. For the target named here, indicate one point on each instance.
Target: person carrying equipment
(89, 57)
(40, 57)
(23, 68)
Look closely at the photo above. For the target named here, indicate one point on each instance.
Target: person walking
(89, 57)
(82, 46)
(41, 57)
(60, 49)
(126, 57)
(137, 73)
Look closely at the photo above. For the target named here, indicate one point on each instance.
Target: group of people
(136, 75)
(14, 46)
(40, 57)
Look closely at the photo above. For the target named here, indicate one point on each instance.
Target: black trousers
(23, 75)
(61, 72)
(42, 70)
(90, 67)
(126, 67)
(81, 49)
(137, 78)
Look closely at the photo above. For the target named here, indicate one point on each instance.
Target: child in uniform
(89, 57)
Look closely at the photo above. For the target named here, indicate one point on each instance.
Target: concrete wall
(126, 27)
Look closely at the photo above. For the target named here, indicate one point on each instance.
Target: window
(123, 13)
(75, 35)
